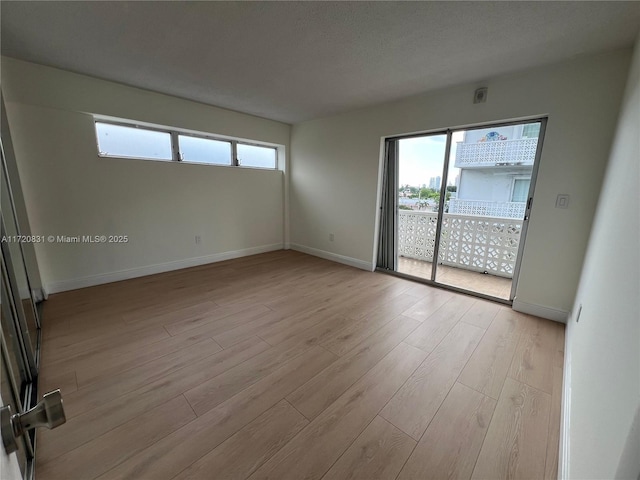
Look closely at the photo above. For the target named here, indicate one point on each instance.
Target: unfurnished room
(375, 240)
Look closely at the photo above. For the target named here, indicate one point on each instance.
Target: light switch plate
(562, 201)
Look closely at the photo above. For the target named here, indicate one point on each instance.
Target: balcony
(487, 209)
(496, 153)
(478, 244)
(477, 282)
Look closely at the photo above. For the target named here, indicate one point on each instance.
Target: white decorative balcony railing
(481, 244)
(500, 152)
(487, 209)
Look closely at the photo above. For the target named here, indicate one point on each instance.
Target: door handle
(49, 412)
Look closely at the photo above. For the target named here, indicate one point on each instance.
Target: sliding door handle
(49, 412)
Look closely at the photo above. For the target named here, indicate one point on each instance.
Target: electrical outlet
(198, 239)
(331, 237)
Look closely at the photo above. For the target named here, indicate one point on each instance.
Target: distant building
(435, 183)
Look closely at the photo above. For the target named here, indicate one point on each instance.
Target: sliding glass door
(421, 161)
(461, 202)
(19, 336)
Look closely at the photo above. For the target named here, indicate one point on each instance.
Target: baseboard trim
(102, 278)
(542, 311)
(39, 294)
(334, 257)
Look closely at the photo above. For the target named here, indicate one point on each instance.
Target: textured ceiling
(293, 61)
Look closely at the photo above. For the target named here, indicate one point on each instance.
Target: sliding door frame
(387, 141)
(441, 202)
(527, 213)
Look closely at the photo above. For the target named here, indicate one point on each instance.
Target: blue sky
(421, 158)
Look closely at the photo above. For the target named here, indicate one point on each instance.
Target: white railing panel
(487, 209)
(520, 152)
(481, 244)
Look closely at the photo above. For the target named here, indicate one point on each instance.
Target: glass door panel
(421, 161)
(488, 182)
(13, 257)
(16, 381)
(7, 397)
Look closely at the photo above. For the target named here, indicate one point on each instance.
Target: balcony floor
(499, 287)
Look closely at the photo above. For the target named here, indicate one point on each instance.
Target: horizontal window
(254, 156)
(205, 150)
(132, 141)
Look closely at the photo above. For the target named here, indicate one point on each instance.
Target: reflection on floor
(477, 282)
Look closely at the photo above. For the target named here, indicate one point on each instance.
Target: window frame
(180, 156)
(136, 126)
(237, 160)
(524, 128)
(175, 134)
(513, 187)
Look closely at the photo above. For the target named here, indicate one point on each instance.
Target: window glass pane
(531, 130)
(520, 190)
(252, 156)
(121, 141)
(205, 150)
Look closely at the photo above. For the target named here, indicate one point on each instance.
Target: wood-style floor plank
(282, 365)
(244, 452)
(183, 324)
(65, 381)
(489, 364)
(450, 446)
(516, 442)
(210, 393)
(379, 452)
(248, 329)
(416, 403)
(430, 301)
(323, 389)
(112, 386)
(184, 316)
(119, 410)
(104, 366)
(177, 451)
(102, 453)
(345, 340)
(436, 326)
(80, 351)
(553, 442)
(222, 324)
(312, 452)
(555, 417)
(482, 313)
(535, 355)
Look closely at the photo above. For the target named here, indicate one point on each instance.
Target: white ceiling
(293, 61)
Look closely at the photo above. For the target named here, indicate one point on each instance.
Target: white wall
(604, 362)
(335, 166)
(491, 186)
(161, 206)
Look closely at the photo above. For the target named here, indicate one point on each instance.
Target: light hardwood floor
(287, 366)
